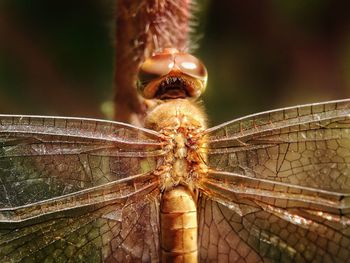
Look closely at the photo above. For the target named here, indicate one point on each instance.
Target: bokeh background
(56, 57)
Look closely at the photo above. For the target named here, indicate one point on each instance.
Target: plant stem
(143, 27)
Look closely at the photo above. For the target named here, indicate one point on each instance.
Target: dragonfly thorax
(174, 115)
(181, 122)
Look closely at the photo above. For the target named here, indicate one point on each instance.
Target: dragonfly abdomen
(178, 225)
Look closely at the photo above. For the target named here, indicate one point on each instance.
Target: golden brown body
(180, 121)
(177, 80)
(178, 224)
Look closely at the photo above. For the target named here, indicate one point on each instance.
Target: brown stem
(143, 27)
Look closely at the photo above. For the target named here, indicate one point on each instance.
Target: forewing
(286, 174)
(46, 157)
(78, 190)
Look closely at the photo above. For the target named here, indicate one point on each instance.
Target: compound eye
(191, 66)
(144, 78)
(155, 67)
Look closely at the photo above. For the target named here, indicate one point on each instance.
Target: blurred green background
(56, 57)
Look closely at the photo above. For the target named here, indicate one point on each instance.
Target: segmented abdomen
(178, 219)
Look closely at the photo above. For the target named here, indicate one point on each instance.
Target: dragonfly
(268, 187)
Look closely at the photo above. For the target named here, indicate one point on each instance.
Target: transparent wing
(44, 157)
(119, 229)
(267, 234)
(223, 236)
(61, 177)
(286, 173)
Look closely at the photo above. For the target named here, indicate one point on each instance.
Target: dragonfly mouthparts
(173, 87)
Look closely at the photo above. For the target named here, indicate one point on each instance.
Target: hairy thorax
(181, 122)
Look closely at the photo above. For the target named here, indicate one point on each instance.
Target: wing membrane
(283, 177)
(84, 200)
(124, 230)
(264, 233)
(305, 146)
(47, 157)
(77, 190)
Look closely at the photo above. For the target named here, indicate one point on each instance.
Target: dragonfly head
(172, 74)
